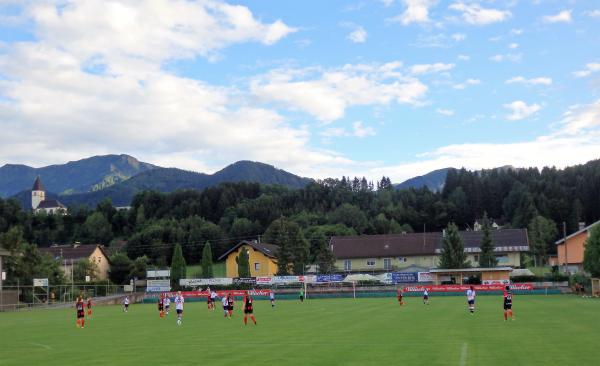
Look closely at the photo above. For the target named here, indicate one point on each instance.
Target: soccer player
(167, 303)
(272, 298)
(79, 307)
(161, 305)
(213, 298)
(126, 304)
(179, 306)
(248, 309)
(425, 297)
(89, 306)
(471, 299)
(209, 303)
(230, 302)
(302, 295)
(400, 296)
(508, 304)
(225, 302)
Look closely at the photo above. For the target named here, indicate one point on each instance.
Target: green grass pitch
(549, 330)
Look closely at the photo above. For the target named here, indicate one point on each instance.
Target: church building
(39, 202)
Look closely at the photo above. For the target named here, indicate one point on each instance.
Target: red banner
(187, 294)
(463, 288)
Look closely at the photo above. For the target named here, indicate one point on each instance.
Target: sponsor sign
(464, 288)
(287, 279)
(128, 288)
(88, 278)
(3, 276)
(495, 282)
(330, 278)
(158, 273)
(264, 280)
(404, 277)
(195, 282)
(310, 279)
(41, 282)
(237, 293)
(158, 285)
(244, 280)
(425, 277)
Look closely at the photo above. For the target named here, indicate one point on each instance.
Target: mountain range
(120, 177)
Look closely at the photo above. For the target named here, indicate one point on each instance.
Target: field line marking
(463, 354)
(44, 346)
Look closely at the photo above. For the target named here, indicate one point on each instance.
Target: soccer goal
(595, 286)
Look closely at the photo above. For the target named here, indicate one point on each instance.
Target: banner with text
(158, 285)
(244, 280)
(464, 288)
(195, 282)
(158, 273)
(220, 293)
(425, 277)
(330, 278)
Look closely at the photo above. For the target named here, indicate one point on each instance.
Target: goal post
(595, 286)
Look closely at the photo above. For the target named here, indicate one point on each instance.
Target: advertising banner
(330, 278)
(158, 286)
(495, 282)
(425, 277)
(41, 282)
(464, 288)
(244, 280)
(264, 280)
(286, 279)
(158, 273)
(404, 277)
(221, 293)
(195, 282)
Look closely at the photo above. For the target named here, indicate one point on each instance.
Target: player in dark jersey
(508, 304)
(161, 305)
(80, 308)
(400, 296)
(89, 305)
(230, 302)
(248, 309)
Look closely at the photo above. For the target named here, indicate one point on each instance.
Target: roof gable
(270, 250)
(585, 229)
(74, 252)
(37, 184)
(51, 204)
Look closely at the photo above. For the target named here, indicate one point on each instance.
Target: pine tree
(453, 251)
(207, 263)
(283, 252)
(178, 267)
(591, 254)
(487, 259)
(243, 264)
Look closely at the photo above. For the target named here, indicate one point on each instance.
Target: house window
(476, 258)
(257, 266)
(402, 259)
(370, 262)
(387, 263)
(347, 265)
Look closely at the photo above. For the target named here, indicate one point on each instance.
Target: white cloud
(326, 93)
(416, 11)
(445, 112)
(439, 40)
(532, 81)
(593, 13)
(359, 130)
(474, 14)
(387, 3)
(359, 35)
(512, 57)
(520, 110)
(576, 142)
(513, 46)
(468, 82)
(459, 37)
(590, 68)
(430, 68)
(464, 57)
(562, 17)
(516, 32)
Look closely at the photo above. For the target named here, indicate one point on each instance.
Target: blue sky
(319, 88)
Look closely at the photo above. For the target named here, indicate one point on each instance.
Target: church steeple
(38, 193)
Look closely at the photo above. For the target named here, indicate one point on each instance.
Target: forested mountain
(84, 175)
(433, 180)
(229, 212)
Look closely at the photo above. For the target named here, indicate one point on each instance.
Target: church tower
(37, 193)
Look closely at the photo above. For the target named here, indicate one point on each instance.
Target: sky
(318, 88)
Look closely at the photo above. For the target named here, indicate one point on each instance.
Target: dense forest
(227, 213)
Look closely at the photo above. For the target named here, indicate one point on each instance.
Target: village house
(261, 257)
(570, 255)
(69, 255)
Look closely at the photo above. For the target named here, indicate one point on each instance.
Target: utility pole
(565, 241)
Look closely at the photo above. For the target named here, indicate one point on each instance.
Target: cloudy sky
(319, 88)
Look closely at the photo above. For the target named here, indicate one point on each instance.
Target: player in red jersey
(161, 305)
(400, 296)
(248, 309)
(508, 304)
(80, 308)
(89, 305)
(230, 302)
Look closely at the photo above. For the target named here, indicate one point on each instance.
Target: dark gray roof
(270, 250)
(51, 204)
(37, 184)
(411, 244)
(74, 252)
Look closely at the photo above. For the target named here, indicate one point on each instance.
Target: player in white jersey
(179, 306)
(225, 303)
(471, 299)
(126, 304)
(272, 298)
(213, 298)
(425, 297)
(167, 303)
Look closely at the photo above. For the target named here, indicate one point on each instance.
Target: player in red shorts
(89, 305)
(80, 308)
(161, 305)
(248, 309)
(508, 304)
(400, 296)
